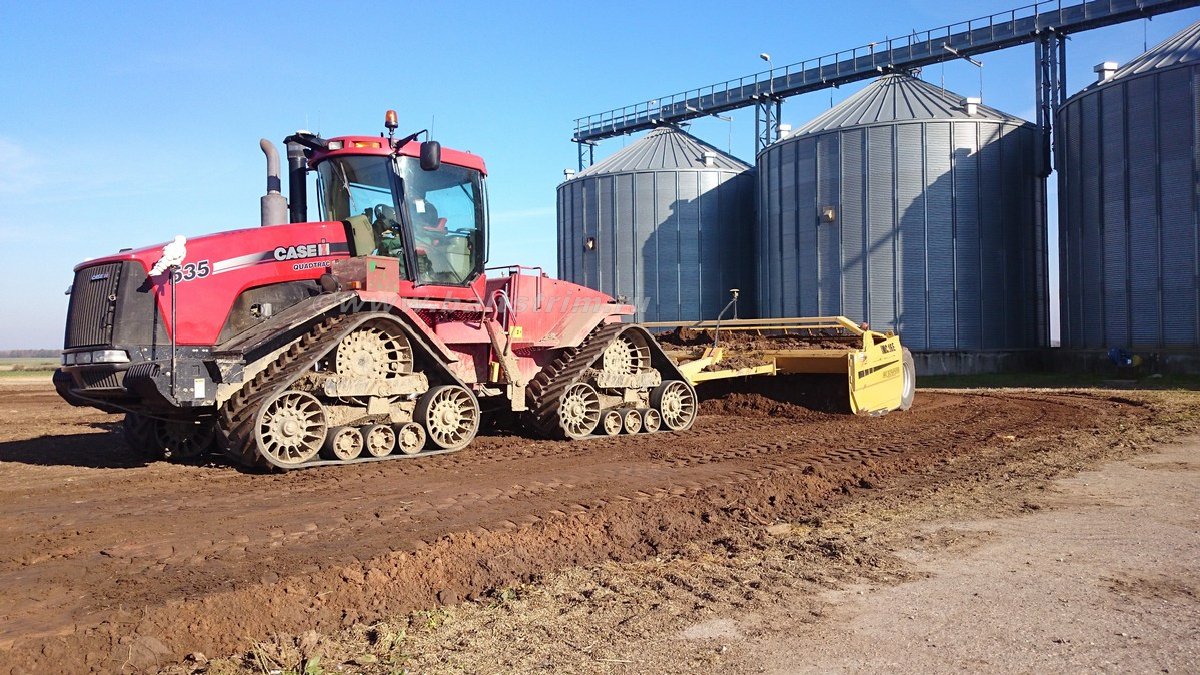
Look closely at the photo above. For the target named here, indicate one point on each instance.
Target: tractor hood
(218, 268)
(236, 249)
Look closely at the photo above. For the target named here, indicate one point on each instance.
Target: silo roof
(1179, 49)
(900, 98)
(666, 149)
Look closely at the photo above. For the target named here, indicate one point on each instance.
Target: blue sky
(124, 123)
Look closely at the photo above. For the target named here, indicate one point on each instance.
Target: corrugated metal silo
(911, 208)
(1129, 202)
(667, 223)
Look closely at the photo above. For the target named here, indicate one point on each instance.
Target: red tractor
(373, 333)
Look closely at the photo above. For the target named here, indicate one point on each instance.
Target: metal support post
(587, 153)
(1060, 88)
(1050, 55)
(767, 111)
(174, 326)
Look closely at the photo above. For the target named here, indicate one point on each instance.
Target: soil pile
(754, 340)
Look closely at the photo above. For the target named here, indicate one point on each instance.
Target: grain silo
(1128, 166)
(912, 208)
(667, 223)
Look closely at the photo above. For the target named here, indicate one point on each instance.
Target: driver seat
(361, 234)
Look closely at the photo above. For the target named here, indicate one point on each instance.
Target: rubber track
(237, 417)
(544, 393)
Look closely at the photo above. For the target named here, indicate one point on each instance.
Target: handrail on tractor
(803, 323)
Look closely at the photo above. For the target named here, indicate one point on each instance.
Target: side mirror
(431, 155)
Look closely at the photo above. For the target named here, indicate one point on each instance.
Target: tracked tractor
(374, 332)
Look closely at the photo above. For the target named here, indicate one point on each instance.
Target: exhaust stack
(272, 205)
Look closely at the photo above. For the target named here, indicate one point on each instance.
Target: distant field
(17, 367)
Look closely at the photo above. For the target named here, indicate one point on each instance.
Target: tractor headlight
(110, 356)
(68, 359)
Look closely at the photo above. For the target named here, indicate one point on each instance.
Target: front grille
(91, 314)
(99, 379)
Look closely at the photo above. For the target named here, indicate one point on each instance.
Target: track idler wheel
(651, 420)
(344, 443)
(676, 401)
(579, 411)
(410, 438)
(613, 423)
(632, 421)
(450, 415)
(290, 428)
(380, 439)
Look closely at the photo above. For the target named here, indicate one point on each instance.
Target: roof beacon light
(390, 121)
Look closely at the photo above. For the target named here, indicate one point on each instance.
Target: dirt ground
(1101, 574)
(626, 554)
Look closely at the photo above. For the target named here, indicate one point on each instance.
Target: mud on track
(110, 562)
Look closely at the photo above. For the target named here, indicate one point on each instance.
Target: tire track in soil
(173, 551)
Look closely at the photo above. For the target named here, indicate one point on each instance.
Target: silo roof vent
(666, 149)
(1180, 49)
(568, 174)
(900, 98)
(971, 105)
(1105, 71)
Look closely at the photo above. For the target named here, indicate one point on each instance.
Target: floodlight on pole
(770, 72)
(977, 64)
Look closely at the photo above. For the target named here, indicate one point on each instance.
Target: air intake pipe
(297, 180)
(272, 205)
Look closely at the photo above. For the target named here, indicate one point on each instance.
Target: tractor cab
(406, 200)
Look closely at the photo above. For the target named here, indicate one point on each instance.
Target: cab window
(448, 218)
(358, 191)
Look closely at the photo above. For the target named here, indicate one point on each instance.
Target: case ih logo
(301, 251)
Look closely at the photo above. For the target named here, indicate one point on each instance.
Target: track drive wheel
(138, 432)
(290, 428)
(909, 386)
(676, 401)
(579, 412)
(450, 415)
(373, 351)
(181, 440)
(627, 355)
